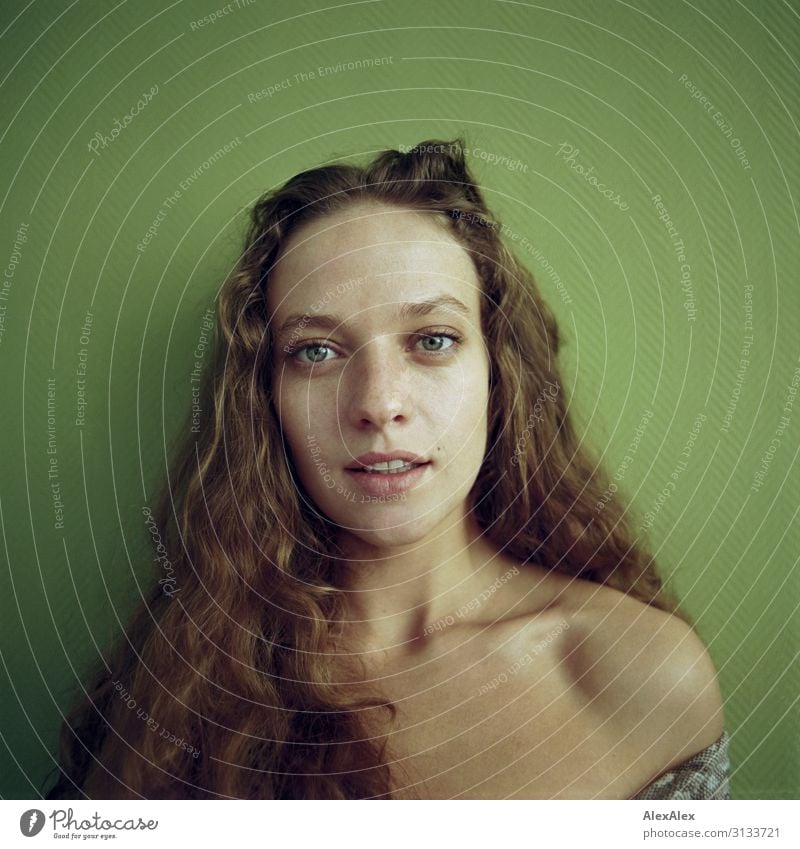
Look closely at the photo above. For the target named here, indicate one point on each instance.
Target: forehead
(369, 254)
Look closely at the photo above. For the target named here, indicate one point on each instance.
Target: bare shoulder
(643, 672)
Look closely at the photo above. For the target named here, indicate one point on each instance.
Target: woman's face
(377, 349)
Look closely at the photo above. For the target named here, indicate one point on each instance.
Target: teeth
(393, 467)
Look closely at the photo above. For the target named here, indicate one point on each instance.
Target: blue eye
(314, 350)
(432, 337)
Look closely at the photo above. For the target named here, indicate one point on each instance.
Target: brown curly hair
(231, 691)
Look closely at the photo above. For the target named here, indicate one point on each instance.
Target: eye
(316, 353)
(431, 343)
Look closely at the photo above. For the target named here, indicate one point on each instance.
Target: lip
(375, 483)
(381, 457)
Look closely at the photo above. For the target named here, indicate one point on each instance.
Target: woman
(390, 575)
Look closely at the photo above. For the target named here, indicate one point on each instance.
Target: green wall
(682, 315)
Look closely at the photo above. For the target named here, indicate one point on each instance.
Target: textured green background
(519, 81)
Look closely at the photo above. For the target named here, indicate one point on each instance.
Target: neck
(398, 597)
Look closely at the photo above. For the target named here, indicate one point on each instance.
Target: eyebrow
(410, 309)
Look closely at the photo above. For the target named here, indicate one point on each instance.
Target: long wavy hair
(220, 685)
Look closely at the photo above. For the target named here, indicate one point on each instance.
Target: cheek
(469, 394)
(307, 422)
(457, 414)
(476, 422)
(476, 412)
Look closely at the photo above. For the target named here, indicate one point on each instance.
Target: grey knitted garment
(703, 776)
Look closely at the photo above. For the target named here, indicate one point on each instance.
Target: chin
(385, 529)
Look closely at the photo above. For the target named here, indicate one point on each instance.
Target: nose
(375, 390)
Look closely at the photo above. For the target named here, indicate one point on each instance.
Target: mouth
(391, 467)
(388, 462)
(387, 478)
